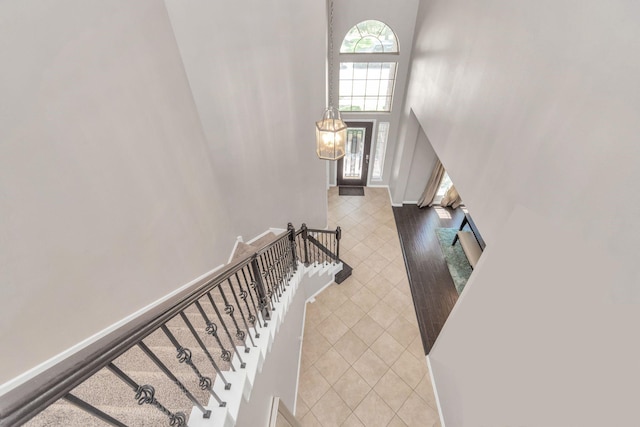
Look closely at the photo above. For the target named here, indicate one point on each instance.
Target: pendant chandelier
(331, 131)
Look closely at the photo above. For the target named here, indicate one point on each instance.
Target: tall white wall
(116, 187)
(532, 108)
(257, 72)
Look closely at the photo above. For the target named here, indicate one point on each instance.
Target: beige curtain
(451, 198)
(432, 186)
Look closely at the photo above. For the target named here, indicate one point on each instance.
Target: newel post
(305, 236)
(338, 237)
(292, 243)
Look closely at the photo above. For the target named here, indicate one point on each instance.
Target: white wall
(422, 163)
(400, 16)
(532, 108)
(257, 71)
(111, 194)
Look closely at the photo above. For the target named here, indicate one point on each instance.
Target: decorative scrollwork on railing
(204, 383)
(253, 286)
(179, 419)
(252, 319)
(225, 355)
(229, 309)
(212, 329)
(243, 295)
(240, 335)
(184, 355)
(146, 394)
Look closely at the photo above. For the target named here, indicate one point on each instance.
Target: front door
(353, 168)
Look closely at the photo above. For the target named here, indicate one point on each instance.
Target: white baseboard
(21, 379)
(435, 391)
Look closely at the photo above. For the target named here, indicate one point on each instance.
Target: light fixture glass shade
(331, 135)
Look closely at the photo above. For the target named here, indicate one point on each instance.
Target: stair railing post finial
(292, 243)
(305, 236)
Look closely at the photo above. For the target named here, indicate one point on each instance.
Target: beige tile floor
(362, 357)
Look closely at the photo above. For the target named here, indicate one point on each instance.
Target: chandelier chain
(331, 53)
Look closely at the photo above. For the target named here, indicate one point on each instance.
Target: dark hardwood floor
(432, 288)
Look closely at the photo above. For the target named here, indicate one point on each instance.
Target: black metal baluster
(224, 326)
(260, 288)
(338, 237)
(227, 384)
(266, 261)
(289, 252)
(324, 243)
(230, 311)
(277, 255)
(250, 285)
(184, 356)
(273, 272)
(92, 410)
(244, 319)
(267, 279)
(145, 394)
(206, 413)
(212, 329)
(245, 295)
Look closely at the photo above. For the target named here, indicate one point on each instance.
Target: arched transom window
(368, 86)
(370, 37)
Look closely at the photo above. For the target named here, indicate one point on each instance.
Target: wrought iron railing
(316, 246)
(210, 327)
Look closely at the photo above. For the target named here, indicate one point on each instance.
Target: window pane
(365, 90)
(386, 87)
(346, 86)
(368, 44)
(388, 70)
(380, 150)
(370, 36)
(357, 103)
(350, 40)
(373, 71)
(359, 87)
(373, 87)
(359, 70)
(344, 104)
(346, 70)
(371, 27)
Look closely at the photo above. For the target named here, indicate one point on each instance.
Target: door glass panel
(352, 165)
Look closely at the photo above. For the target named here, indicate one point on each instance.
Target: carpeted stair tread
(65, 414)
(105, 389)
(264, 240)
(242, 250)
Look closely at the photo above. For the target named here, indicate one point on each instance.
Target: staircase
(196, 361)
